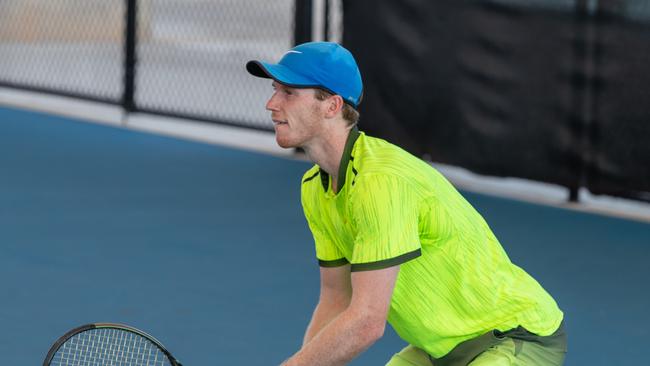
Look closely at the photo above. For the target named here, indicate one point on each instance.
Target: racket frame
(86, 327)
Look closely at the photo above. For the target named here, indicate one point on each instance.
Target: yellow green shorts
(506, 351)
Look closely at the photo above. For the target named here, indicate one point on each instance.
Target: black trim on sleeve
(370, 266)
(335, 263)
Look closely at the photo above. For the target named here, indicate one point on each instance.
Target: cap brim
(279, 73)
(285, 76)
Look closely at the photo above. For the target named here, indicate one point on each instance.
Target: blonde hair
(350, 114)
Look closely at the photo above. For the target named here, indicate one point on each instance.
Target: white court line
(545, 194)
(264, 142)
(240, 138)
(236, 137)
(63, 106)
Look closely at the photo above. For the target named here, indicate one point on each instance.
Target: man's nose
(272, 104)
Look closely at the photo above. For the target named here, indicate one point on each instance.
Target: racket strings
(109, 347)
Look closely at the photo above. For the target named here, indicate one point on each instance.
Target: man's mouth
(278, 122)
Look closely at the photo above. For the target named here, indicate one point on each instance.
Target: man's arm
(335, 295)
(357, 327)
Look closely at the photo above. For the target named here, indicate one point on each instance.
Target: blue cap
(323, 65)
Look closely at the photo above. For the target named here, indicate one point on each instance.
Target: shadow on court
(206, 248)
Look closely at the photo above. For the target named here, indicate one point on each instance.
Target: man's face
(296, 115)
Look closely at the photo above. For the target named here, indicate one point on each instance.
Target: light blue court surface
(206, 248)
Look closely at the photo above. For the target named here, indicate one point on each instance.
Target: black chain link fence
(189, 55)
(186, 58)
(71, 47)
(618, 154)
(555, 91)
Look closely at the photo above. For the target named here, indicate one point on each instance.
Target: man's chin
(284, 143)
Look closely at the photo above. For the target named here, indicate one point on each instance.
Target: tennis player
(395, 241)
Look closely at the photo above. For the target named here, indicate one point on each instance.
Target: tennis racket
(104, 344)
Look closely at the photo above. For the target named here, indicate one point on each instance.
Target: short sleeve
(384, 211)
(327, 253)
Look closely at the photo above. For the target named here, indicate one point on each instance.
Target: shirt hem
(333, 263)
(371, 266)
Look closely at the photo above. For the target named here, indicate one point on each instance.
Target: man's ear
(334, 106)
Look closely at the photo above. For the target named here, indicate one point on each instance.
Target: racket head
(98, 344)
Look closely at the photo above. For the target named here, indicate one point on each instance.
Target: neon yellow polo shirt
(455, 281)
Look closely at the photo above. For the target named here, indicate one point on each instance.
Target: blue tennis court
(207, 249)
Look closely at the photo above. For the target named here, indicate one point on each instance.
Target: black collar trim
(345, 161)
(311, 177)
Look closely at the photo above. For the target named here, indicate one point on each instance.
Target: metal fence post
(130, 59)
(302, 24)
(585, 50)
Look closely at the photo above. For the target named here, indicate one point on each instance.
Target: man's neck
(328, 151)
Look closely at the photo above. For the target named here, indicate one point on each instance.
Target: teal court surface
(206, 248)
